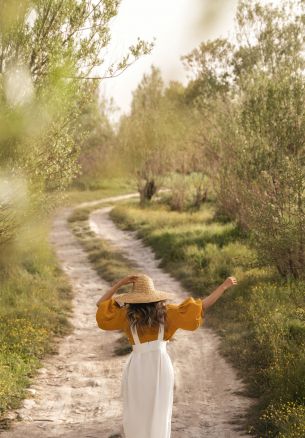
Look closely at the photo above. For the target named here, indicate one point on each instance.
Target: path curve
(207, 399)
(77, 392)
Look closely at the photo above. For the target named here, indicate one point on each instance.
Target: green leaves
(249, 98)
(49, 53)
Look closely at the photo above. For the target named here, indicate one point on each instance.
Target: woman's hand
(216, 294)
(229, 282)
(116, 286)
(127, 280)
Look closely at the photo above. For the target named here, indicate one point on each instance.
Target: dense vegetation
(48, 95)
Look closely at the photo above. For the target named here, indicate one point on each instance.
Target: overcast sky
(178, 26)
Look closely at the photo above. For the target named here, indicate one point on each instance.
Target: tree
(153, 137)
(49, 51)
(98, 151)
(252, 127)
(142, 134)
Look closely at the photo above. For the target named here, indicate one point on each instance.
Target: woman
(148, 377)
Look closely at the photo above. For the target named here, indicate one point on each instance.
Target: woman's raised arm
(108, 294)
(216, 294)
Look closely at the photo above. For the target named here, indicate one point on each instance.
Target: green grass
(109, 187)
(108, 263)
(261, 320)
(34, 305)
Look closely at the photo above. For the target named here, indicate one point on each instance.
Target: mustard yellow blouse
(188, 315)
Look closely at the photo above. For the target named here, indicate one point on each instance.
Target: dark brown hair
(146, 314)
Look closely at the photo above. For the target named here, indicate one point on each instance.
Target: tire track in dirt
(77, 392)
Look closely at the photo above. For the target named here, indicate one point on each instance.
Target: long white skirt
(147, 390)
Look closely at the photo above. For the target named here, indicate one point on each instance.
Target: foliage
(49, 54)
(187, 191)
(99, 158)
(248, 94)
(288, 417)
(152, 138)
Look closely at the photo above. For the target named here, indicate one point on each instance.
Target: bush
(187, 191)
(287, 420)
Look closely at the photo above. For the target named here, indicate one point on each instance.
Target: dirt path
(77, 392)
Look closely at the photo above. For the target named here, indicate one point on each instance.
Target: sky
(178, 26)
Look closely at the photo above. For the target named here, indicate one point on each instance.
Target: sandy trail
(77, 392)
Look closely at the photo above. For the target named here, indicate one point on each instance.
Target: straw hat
(143, 291)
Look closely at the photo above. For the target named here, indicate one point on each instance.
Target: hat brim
(131, 297)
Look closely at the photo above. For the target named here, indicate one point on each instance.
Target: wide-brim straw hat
(143, 291)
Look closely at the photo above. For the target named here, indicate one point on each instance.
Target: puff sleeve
(110, 315)
(188, 315)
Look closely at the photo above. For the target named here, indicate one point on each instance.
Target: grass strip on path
(109, 264)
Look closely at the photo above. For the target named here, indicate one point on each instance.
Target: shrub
(187, 191)
(285, 420)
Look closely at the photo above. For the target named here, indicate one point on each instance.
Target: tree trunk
(147, 191)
